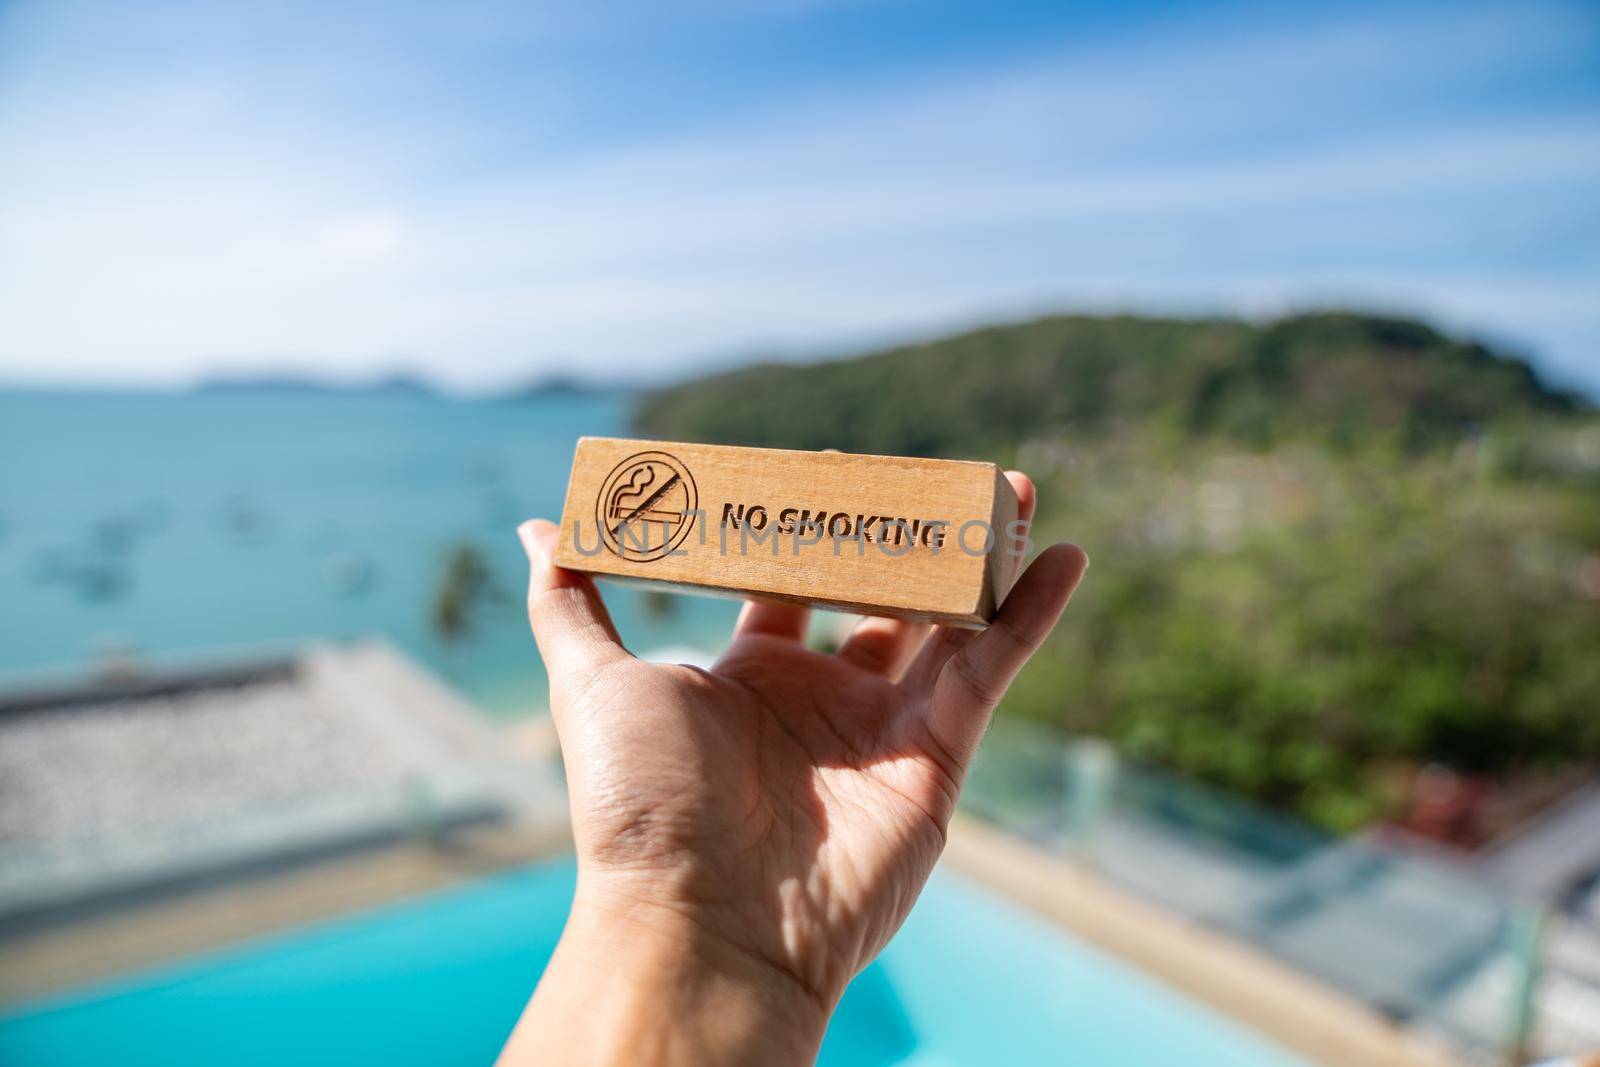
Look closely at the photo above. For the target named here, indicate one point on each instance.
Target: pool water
(440, 980)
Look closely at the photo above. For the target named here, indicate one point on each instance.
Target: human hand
(750, 837)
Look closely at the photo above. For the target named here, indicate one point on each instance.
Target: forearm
(632, 986)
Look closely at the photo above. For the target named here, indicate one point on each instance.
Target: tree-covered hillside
(1327, 551)
(1341, 377)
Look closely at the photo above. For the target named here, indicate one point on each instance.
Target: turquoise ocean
(184, 527)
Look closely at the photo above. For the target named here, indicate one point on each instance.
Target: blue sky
(487, 192)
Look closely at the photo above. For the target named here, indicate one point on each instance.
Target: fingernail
(531, 545)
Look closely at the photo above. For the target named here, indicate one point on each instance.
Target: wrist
(645, 983)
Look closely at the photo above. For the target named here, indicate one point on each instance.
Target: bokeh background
(1292, 311)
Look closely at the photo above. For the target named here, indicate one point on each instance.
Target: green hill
(1338, 376)
(1304, 589)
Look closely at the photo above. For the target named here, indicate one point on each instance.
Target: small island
(291, 384)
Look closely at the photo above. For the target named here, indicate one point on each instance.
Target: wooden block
(918, 539)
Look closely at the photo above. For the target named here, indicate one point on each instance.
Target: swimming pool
(440, 979)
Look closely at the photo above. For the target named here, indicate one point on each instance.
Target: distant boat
(115, 534)
(347, 573)
(102, 581)
(96, 574)
(243, 518)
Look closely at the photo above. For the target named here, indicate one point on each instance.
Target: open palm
(787, 803)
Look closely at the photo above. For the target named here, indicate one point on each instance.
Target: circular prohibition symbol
(646, 506)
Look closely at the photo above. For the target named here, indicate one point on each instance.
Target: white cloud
(364, 238)
(172, 232)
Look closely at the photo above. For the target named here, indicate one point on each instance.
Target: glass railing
(1420, 940)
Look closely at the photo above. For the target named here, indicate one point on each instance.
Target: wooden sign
(923, 539)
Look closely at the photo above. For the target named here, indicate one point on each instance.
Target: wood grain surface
(878, 535)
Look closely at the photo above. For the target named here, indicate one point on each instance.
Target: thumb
(570, 622)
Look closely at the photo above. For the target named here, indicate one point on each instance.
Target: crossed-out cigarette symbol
(646, 506)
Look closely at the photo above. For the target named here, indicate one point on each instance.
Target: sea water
(171, 527)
